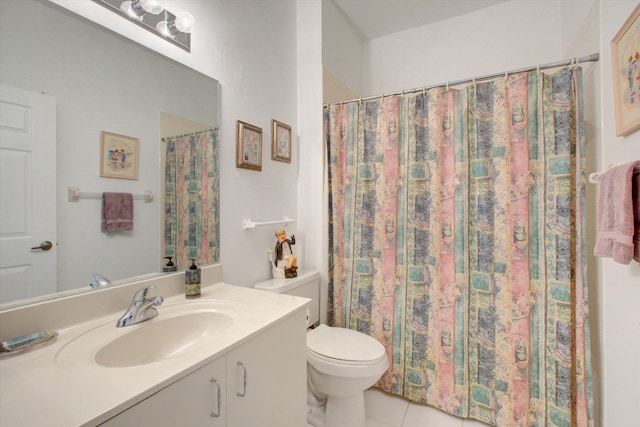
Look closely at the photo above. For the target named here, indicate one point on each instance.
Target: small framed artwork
(249, 147)
(118, 156)
(280, 142)
(625, 48)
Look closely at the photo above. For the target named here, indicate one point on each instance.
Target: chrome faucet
(99, 281)
(141, 309)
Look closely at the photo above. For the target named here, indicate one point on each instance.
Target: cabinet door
(190, 401)
(267, 377)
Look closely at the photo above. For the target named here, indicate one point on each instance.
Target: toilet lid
(344, 344)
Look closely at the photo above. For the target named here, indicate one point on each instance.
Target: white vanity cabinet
(267, 378)
(190, 401)
(261, 382)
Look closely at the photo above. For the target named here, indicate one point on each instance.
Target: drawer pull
(244, 379)
(213, 414)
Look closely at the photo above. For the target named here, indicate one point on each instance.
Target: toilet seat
(345, 353)
(344, 346)
(356, 363)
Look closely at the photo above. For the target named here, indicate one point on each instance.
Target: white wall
(619, 285)
(342, 48)
(311, 211)
(503, 37)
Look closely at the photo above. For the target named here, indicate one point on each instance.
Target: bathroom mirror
(101, 82)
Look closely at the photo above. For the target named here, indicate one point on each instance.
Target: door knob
(45, 246)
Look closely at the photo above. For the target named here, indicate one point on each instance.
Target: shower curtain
(191, 198)
(456, 239)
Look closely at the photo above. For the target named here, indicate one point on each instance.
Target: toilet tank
(306, 285)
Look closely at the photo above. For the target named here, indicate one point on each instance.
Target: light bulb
(129, 7)
(153, 7)
(138, 8)
(163, 28)
(184, 22)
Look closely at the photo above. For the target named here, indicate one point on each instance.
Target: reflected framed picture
(249, 147)
(625, 48)
(280, 142)
(118, 156)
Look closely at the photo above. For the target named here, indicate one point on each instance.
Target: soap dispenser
(192, 280)
(169, 266)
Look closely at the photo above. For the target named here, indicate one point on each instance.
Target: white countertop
(36, 391)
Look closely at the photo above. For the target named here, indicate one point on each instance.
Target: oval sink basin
(178, 329)
(163, 339)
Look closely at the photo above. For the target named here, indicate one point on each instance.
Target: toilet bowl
(341, 363)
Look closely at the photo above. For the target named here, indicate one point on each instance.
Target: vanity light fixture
(151, 15)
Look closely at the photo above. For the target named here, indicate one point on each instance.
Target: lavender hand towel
(616, 214)
(117, 212)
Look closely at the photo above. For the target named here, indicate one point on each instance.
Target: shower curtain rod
(190, 133)
(594, 57)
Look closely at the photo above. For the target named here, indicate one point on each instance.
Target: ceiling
(377, 18)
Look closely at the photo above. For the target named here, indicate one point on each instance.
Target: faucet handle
(141, 295)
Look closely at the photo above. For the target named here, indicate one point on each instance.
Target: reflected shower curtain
(191, 198)
(457, 240)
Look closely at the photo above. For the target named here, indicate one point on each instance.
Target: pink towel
(117, 212)
(616, 214)
(636, 211)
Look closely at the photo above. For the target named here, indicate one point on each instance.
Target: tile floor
(384, 410)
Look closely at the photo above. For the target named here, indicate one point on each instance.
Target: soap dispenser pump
(169, 266)
(192, 280)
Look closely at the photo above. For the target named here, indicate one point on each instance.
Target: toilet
(341, 363)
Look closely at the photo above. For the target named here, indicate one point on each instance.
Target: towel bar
(594, 178)
(247, 223)
(74, 194)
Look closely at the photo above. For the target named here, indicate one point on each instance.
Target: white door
(27, 194)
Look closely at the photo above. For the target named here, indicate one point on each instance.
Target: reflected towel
(616, 214)
(117, 212)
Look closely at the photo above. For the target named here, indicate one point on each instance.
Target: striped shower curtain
(457, 239)
(192, 193)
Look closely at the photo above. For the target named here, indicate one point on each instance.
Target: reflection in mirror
(191, 191)
(98, 81)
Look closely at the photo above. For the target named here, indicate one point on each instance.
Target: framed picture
(118, 156)
(249, 147)
(280, 142)
(625, 48)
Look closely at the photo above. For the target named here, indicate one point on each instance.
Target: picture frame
(119, 156)
(280, 142)
(625, 57)
(249, 147)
